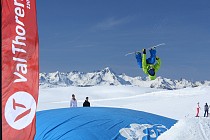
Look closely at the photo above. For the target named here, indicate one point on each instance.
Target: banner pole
(1, 76)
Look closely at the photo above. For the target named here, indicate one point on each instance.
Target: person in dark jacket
(206, 109)
(86, 103)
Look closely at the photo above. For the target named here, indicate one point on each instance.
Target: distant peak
(108, 69)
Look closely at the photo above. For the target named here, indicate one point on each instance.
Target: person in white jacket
(73, 102)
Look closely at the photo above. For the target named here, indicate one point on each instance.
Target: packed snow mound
(99, 123)
(109, 77)
(196, 128)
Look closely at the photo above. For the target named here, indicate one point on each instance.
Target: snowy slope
(176, 104)
(109, 77)
(189, 129)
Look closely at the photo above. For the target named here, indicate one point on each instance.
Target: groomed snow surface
(175, 104)
(188, 129)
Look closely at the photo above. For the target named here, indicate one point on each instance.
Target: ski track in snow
(202, 130)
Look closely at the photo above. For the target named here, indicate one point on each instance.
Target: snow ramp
(99, 123)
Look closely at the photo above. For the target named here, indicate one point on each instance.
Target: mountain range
(108, 77)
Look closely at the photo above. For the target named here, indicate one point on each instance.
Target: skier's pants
(150, 60)
(206, 113)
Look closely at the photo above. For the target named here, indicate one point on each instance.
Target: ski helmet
(151, 71)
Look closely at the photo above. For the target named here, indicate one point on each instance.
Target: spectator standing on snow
(198, 110)
(73, 102)
(86, 103)
(206, 109)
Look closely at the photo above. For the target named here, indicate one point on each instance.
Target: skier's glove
(144, 51)
(137, 53)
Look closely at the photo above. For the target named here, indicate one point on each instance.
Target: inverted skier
(149, 66)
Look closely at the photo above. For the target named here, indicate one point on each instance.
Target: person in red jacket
(197, 110)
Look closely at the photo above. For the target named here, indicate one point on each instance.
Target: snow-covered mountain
(109, 77)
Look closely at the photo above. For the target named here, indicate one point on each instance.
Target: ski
(153, 47)
(156, 46)
(129, 53)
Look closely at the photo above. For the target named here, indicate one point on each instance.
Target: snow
(189, 129)
(176, 104)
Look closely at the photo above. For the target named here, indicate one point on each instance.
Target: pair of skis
(153, 47)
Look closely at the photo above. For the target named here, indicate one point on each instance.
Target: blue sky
(89, 35)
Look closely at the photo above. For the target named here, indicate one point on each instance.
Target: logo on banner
(20, 110)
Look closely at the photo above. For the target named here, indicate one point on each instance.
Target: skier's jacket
(73, 103)
(146, 67)
(86, 104)
(206, 107)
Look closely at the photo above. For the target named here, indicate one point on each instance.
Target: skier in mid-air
(149, 66)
